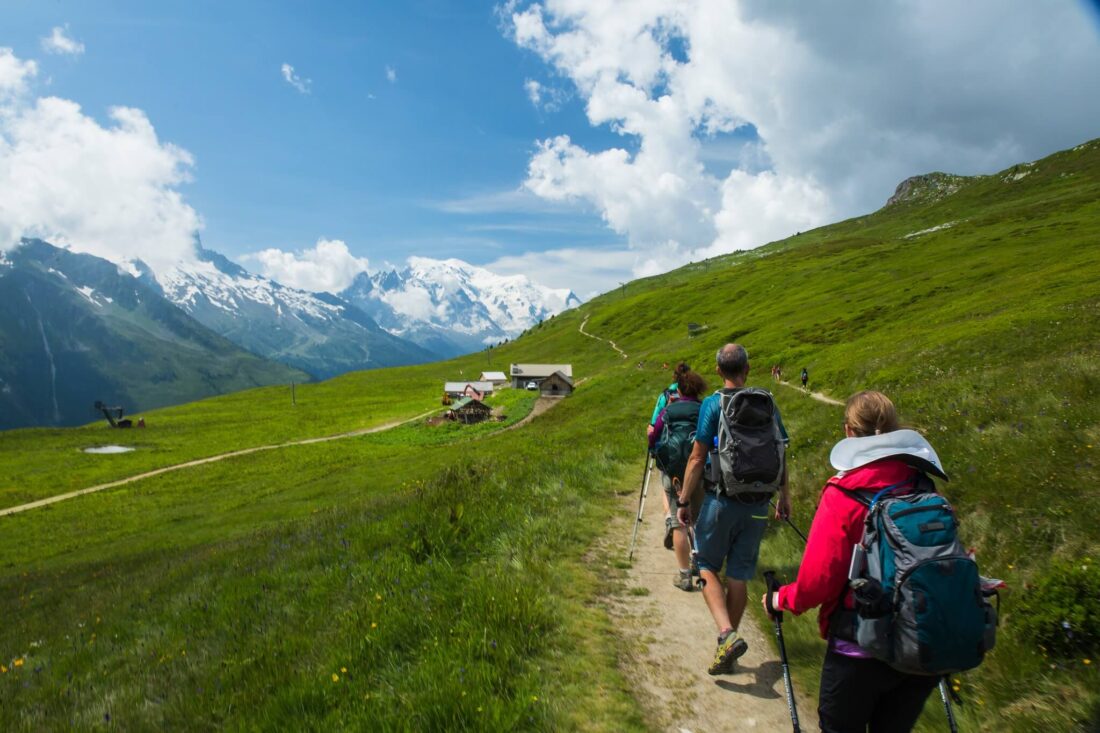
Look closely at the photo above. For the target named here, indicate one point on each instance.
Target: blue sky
(385, 166)
(578, 143)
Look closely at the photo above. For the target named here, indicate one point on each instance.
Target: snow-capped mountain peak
(316, 332)
(431, 299)
(213, 280)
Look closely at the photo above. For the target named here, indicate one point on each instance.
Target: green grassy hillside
(419, 580)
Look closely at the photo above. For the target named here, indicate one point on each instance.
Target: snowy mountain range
(316, 332)
(431, 309)
(452, 307)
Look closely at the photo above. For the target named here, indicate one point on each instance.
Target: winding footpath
(541, 405)
(202, 461)
(670, 637)
(600, 338)
(819, 396)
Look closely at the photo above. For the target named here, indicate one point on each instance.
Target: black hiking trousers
(869, 696)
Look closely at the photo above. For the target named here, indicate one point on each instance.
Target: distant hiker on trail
(669, 395)
(741, 432)
(857, 690)
(671, 441)
(805, 377)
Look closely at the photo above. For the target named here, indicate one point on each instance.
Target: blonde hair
(870, 413)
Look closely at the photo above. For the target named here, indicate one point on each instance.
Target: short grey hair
(733, 360)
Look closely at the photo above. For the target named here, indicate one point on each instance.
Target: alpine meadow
(448, 577)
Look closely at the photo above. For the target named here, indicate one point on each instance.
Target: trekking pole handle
(773, 586)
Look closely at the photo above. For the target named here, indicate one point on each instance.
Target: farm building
(477, 390)
(498, 379)
(524, 373)
(469, 410)
(556, 385)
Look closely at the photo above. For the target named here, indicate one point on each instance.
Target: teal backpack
(920, 604)
(677, 438)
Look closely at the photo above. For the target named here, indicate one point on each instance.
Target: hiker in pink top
(858, 692)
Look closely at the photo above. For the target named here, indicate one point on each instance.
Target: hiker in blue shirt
(667, 396)
(731, 523)
(681, 417)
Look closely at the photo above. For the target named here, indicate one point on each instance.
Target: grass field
(414, 579)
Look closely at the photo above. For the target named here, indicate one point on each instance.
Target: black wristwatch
(682, 505)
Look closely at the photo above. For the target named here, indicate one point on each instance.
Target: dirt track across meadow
(671, 638)
(201, 461)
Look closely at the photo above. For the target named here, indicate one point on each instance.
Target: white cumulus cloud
(14, 74)
(292, 78)
(110, 190)
(329, 266)
(58, 42)
(543, 97)
(586, 272)
(744, 121)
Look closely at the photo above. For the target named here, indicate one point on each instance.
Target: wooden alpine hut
(523, 374)
(556, 385)
(468, 411)
(498, 379)
(478, 390)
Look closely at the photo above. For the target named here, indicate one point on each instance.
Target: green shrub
(1061, 613)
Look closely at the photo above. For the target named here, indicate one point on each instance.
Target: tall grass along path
(209, 459)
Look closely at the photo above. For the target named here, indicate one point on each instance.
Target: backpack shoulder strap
(871, 497)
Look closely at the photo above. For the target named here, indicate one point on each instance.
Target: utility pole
(293, 399)
(622, 288)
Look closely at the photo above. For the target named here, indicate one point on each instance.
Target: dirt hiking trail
(671, 638)
(599, 338)
(819, 396)
(542, 404)
(202, 461)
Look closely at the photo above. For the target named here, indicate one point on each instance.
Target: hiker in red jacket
(858, 692)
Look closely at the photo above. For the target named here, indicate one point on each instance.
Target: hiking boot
(683, 580)
(729, 649)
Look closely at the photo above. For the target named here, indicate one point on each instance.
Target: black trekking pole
(796, 529)
(641, 502)
(777, 616)
(947, 706)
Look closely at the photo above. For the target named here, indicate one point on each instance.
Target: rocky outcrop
(926, 188)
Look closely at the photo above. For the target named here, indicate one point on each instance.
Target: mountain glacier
(452, 307)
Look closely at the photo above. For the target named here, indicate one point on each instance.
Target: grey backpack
(751, 446)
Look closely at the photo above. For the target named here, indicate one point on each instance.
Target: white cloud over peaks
(302, 85)
(59, 43)
(328, 267)
(844, 101)
(14, 74)
(586, 272)
(109, 190)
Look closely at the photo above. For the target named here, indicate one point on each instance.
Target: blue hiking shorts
(729, 531)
